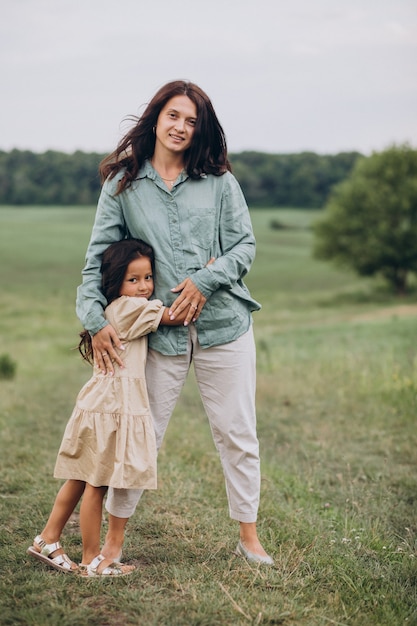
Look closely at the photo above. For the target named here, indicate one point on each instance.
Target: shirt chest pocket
(203, 229)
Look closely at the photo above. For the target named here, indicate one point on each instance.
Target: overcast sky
(284, 76)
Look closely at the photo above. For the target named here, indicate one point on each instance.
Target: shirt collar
(147, 171)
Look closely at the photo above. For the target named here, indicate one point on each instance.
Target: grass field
(337, 390)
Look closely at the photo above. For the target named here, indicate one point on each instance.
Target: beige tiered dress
(110, 439)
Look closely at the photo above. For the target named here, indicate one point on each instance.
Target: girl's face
(138, 280)
(176, 124)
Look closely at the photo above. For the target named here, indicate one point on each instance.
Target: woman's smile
(176, 124)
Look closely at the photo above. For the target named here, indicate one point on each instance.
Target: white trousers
(226, 378)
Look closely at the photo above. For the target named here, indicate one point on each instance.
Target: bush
(7, 367)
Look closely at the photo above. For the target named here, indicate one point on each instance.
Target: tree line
(268, 180)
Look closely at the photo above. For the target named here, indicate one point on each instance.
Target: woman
(169, 182)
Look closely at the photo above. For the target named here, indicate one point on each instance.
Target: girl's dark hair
(115, 261)
(206, 155)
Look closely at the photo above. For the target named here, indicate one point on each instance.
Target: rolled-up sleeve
(236, 242)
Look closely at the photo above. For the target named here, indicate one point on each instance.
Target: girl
(109, 439)
(174, 159)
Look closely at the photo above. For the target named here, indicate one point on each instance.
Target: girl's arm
(106, 340)
(167, 321)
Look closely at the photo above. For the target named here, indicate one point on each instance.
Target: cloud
(283, 77)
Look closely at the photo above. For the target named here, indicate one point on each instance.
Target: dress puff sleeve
(134, 317)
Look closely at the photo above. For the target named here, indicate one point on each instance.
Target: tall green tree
(370, 220)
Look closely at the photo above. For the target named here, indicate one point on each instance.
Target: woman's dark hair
(206, 155)
(115, 261)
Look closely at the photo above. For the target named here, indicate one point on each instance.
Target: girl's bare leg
(115, 537)
(91, 513)
(65, 502)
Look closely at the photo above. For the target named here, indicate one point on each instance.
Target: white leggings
(226, 378)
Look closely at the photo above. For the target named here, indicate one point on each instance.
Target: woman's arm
(237, 252)
(109, 226)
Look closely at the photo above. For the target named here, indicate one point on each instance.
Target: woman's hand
(104, 343)
(190, 298)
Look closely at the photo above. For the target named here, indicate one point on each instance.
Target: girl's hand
(104, 343)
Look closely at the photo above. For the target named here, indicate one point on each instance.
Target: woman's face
(176, 124)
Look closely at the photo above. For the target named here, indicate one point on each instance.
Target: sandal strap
(47, 548)
(63, 560)
(110, 570)
(96, 562)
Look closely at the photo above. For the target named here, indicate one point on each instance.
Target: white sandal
(114, 569)
(61, 562)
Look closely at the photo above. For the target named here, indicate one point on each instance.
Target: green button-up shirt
(196, 220)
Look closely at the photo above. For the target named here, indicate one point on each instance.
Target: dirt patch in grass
(402, 310)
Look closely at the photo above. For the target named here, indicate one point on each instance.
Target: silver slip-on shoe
(251, 557)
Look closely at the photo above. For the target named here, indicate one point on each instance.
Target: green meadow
(337, 391)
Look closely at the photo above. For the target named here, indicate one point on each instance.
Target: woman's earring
(154, 130)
